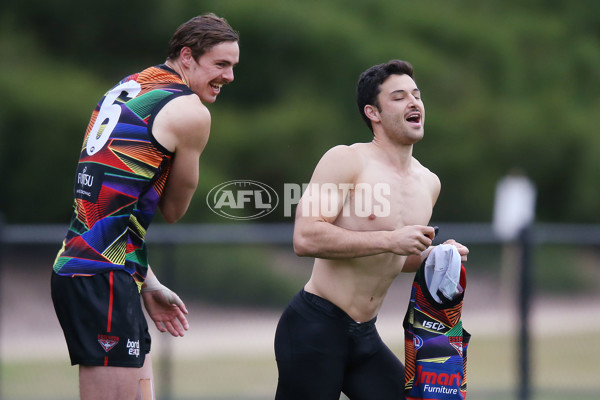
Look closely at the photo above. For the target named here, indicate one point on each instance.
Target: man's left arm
(164, 307)
(182, 126)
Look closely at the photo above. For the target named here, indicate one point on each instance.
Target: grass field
(227, 354)
(563, 367)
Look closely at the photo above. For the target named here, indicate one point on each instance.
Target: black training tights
(321, 352)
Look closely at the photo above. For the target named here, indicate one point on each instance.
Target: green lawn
(563, 367)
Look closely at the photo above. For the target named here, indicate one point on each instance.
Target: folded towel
(442, 272)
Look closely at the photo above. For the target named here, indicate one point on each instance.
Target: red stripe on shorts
(110, 302)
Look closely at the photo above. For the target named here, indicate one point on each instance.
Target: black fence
(281, 234)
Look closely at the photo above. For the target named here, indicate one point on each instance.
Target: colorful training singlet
(435, 344)
(121, 174)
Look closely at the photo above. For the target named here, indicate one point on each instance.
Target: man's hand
(166, 310)
(412, 239)
(462, 250)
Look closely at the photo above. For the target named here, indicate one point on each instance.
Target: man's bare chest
(387, 201)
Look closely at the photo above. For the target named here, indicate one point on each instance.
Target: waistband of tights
(331, 309)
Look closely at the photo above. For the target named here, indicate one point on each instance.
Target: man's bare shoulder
(422, 169)
(342, 150)
(183, 121)
(429, 176)
(340, 163)
(361, 148)
(189, 108)
(342, 156)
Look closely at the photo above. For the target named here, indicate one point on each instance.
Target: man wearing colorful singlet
(140, 152)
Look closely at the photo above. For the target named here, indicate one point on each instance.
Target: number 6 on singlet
(109, 112)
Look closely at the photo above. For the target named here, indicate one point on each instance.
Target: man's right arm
(316, 235)
(182, 126)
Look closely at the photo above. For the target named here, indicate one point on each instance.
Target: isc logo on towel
(436, 326)
(242, 199)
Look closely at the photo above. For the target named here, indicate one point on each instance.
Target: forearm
(325, 240)
(173, 207)
(180, 187)
(413, 262)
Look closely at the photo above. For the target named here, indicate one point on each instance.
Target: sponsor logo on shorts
(133, 347)
(108, 342)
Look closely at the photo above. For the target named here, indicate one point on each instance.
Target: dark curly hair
(370, 81)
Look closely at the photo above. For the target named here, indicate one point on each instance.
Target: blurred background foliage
(506, 84)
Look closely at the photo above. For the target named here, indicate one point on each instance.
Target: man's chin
(208, 99)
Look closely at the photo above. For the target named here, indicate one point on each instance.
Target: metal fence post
(525, 296)
(167, 276)
(1, 277)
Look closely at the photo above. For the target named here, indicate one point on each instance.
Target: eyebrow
(402, 91)
(227, 62)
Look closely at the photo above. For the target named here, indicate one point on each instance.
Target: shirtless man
(326, 341)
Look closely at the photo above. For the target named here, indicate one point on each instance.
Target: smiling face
(212, 70)
(400, 112)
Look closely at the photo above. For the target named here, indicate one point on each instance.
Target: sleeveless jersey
(435, 344)
(120, 177)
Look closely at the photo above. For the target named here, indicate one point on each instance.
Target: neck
(175, 66)
(399, 155)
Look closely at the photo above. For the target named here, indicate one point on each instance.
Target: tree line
(506, 85)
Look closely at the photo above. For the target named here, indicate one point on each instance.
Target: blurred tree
(506, 84)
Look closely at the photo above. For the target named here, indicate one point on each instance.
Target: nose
(413, 101)
(228, 74)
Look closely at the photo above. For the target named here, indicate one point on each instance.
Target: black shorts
(321, 352)
(102, 319)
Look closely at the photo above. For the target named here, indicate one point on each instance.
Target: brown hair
(200, 34)
(369, 84)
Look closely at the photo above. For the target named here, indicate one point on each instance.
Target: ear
(372, 113)
(185, 55)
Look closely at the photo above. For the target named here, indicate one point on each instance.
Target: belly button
(371, 299)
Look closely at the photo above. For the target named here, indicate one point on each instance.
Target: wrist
(389, 241)
(425, 253)
(151, 283)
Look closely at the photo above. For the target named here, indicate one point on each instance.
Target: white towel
(442, 272)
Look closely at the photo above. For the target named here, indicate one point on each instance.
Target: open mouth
(216, 86)
(414, 118)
